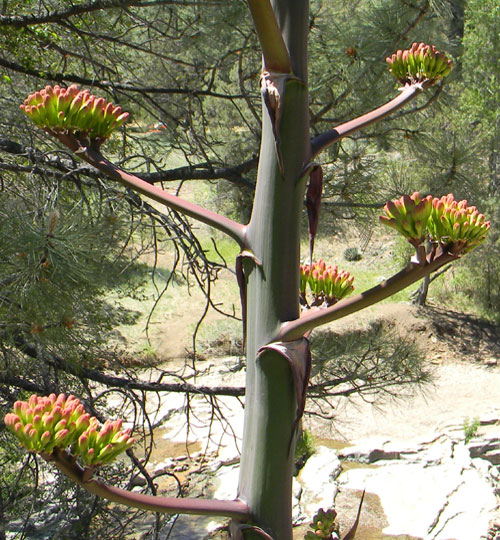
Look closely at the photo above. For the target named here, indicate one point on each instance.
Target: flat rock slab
(450, 498)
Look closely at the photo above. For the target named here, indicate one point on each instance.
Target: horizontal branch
(109, 380)
(202, 171)
(19, 21)
(228, 226)
(20, 382)
(171, 505)
(324, 140)
(292, 330)
(111, 85)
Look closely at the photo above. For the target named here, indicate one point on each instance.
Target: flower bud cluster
(327, 283)
(409, 216)
(43, 424)
(452, 224)
(323, 526)
(70, 110)
(419, 63)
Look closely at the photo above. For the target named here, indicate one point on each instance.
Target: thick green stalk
(273, 47)
(273, 235)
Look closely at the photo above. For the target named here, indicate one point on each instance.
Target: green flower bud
(326, 282)
(421, 63)
(452, 224)
(44, 423)
(59, 110)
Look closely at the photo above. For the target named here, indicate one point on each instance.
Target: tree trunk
(422, 291)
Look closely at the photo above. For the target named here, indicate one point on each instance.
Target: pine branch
(19, 21)
(110, 85)
(111, 381)
(201, 171)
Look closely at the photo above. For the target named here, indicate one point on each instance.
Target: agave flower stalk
(278, 357)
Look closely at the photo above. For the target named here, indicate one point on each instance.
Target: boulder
(317, 480)
(446, 498)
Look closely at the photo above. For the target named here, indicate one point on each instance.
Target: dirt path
(464, 355)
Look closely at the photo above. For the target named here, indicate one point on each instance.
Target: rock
(494, 532)
(227, 482)
(483, 467)
(378, 454)
(495, 474)
(488, 449)
(447, 497)
(490, 362)
(138, 481)
(163, 466)
(374, 450)
(297, 514)
(436, 359)
(317, 479)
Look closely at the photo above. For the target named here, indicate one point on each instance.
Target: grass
(164, 327)
(380, 260)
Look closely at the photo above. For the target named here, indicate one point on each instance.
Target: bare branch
(112, 85)
(19, 21)
(110, 380)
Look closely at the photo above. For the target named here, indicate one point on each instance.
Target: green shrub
(470, 428)
(352, 254)
(304, 449)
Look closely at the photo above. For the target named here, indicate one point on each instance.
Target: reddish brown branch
(292, 330)
(234, 509)
(322, 141)
(96, 159)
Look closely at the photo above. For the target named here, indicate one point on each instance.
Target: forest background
(189, 73)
